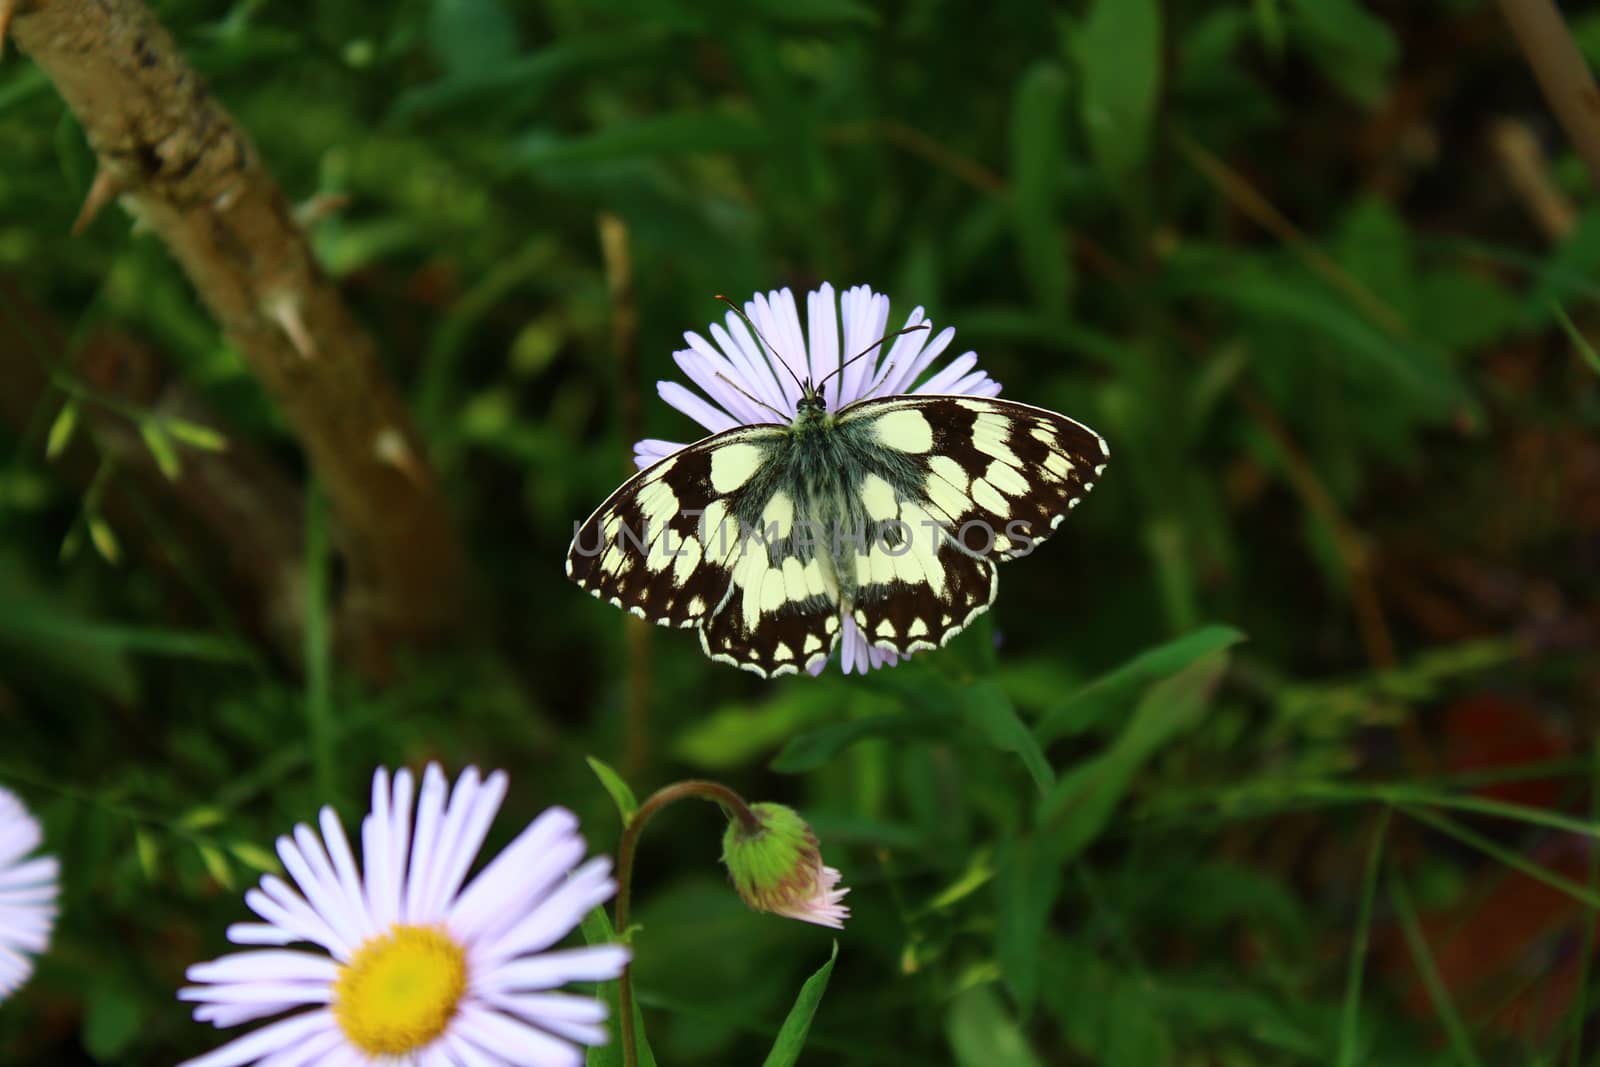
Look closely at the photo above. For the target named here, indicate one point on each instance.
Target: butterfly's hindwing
(781, 612)
(661, 546)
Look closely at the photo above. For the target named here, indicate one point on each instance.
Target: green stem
(732, 805)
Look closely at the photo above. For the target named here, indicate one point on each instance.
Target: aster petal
(539, 857)
(311, 1051)
(912, 369)
(822, 328)
(468, 837)
(749, 355)
(430, 815)
(563, 1014)
(40, 871)
(260, 934)
(779, 323)
(949, 374)
(713, 419)
(515, 1041)
(900, 358)
(467, 1054)
(247, 966)
(281, 906)
(271, 1038)
(317, 897)
(286, 994)
(713, 372)
(650, 451)
(556, 916)
(344, 868)
(547, 970)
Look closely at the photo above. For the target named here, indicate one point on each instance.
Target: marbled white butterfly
(891, 512)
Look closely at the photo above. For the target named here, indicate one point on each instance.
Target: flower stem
(732, 804)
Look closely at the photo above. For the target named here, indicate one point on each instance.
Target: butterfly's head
(811, 401)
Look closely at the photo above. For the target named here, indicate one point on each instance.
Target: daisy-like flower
(738, 364)
(409, 967)
(779, 868)
(28, 890)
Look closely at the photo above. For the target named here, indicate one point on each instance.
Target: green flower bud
(778, 868)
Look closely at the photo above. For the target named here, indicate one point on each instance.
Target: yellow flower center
(400, 990)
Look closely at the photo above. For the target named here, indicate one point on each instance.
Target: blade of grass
(1580, 996)
(1585, 349)
(1350, 1017)
(1428, 970)
(318, 647)
(1515, 861)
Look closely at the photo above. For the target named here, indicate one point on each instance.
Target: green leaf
(791, 1040)
(990, 710)
(1026, 885)
(217, 865)
(192, 433)
(1354, 49)
(816, 14)
(160, 446)
(597, 930)
(1038, 121)
(813, 749)
(1082, 802)
(113, 1015)
(1119, 55)
(684, 133)
(253, 855)
(149, 853)
(471, 36)
(621, 794)
(61, 430)
(1114, 691)
(104, 539)
(981, 1034)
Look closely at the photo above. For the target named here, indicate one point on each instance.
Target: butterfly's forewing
(663, 545)
(990, 468)
(993, 477)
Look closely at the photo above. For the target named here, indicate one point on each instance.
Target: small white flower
(28, 891)
(746, 386)
(413, 968)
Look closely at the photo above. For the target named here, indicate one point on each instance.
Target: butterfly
(892, 511)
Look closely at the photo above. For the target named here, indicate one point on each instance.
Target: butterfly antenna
(781, 416)
(869, 348)
(739, 311)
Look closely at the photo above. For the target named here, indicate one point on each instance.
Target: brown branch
(185, 168)
(1563, 75)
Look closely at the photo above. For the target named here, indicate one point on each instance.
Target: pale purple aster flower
(28, 890)
(412, 963)
(734, 360)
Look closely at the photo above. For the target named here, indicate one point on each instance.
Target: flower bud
(778, 868)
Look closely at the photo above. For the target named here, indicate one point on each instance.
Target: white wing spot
(732, 465)
(1006, 479)
(906, 429)
(989, 433)
(985, 496)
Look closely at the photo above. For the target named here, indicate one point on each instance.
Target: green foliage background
(1280, 753)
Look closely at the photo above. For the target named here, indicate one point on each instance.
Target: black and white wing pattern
(974, 480)
(691, 541)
